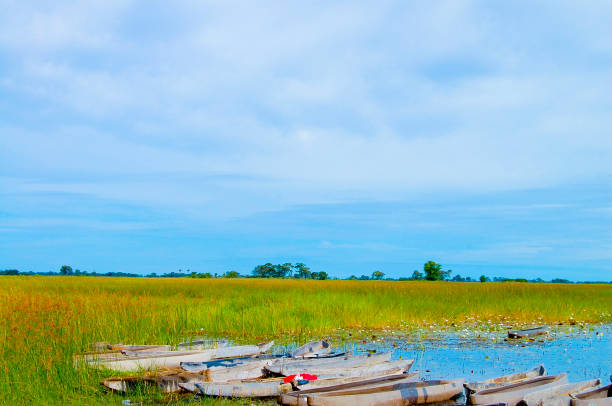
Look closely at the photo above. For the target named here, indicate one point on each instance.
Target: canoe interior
(597, 393)
(532, 383)
(361, 382)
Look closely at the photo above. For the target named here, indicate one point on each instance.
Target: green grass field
(44, 321)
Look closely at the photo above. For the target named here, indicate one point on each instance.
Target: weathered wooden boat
(555, 394)
(154, 347)
(299, 398)
(239, 389)
(167, 381)
(99, 360)
(326, 382)
(385, 368)
(226, 362)
(515, 392)
(597, 397)
(285, 366)
(174, 360)
(499, 381)
(250, 370)
(409, 393)
(529, 332)
(312, 349)
(149, 353)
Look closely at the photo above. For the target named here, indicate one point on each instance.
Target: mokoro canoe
(515, 392)
(500, 381)
(386, 368)
(250, 370)
(597, 397)
(239, 389)
(312, 349)
(286, 366)
(174, 360)
(547, 395)
(299, 398)
(96, 360)
(226, 362)
(167, 381)
(409, 393)
(529, 332)
(367, 370)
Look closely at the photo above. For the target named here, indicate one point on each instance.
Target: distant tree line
(432, 271)
(298, 271)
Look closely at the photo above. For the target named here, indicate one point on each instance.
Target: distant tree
(417, 276)
(458, 278)
(205, 275)
(320, 275)
(558, 280)
(232, 274)
(484, 278)
(301, 271)
(264, 271)
(352, 278)
(193, 275)
(286, 269)
(378, 275)
(66, 270)
(9, 272)
(432, 271)
(364, 278)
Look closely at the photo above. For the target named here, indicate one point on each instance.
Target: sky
(351, 136)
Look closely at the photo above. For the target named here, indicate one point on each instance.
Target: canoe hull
(500, 381)
(530, 332)
(405, 394)
(239, 389)
(514, 393)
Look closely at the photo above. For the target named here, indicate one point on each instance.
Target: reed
(44, 321)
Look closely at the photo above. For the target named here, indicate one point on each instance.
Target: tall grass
(44, 321)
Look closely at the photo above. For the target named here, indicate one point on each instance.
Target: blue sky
(353, 136)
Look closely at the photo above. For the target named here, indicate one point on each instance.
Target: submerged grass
(44, 321)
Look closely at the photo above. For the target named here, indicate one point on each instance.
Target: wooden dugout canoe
(312, 349)
(167, 381)
(409, 393)
(597, 397)
(174, 360)
(299, 398)
(549, 395)
(286, 366)
(500, 381)
(251, 370)
(226, 362)
(239, 389)
(528, 332)
(385, 368)
(515, 392)
(327, 382)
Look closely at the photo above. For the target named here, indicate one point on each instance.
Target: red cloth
(300, 377)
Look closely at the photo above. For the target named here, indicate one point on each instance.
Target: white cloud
(313, 104)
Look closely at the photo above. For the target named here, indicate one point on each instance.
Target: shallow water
(582, 353)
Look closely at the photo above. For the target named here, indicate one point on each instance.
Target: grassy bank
(44, 321)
